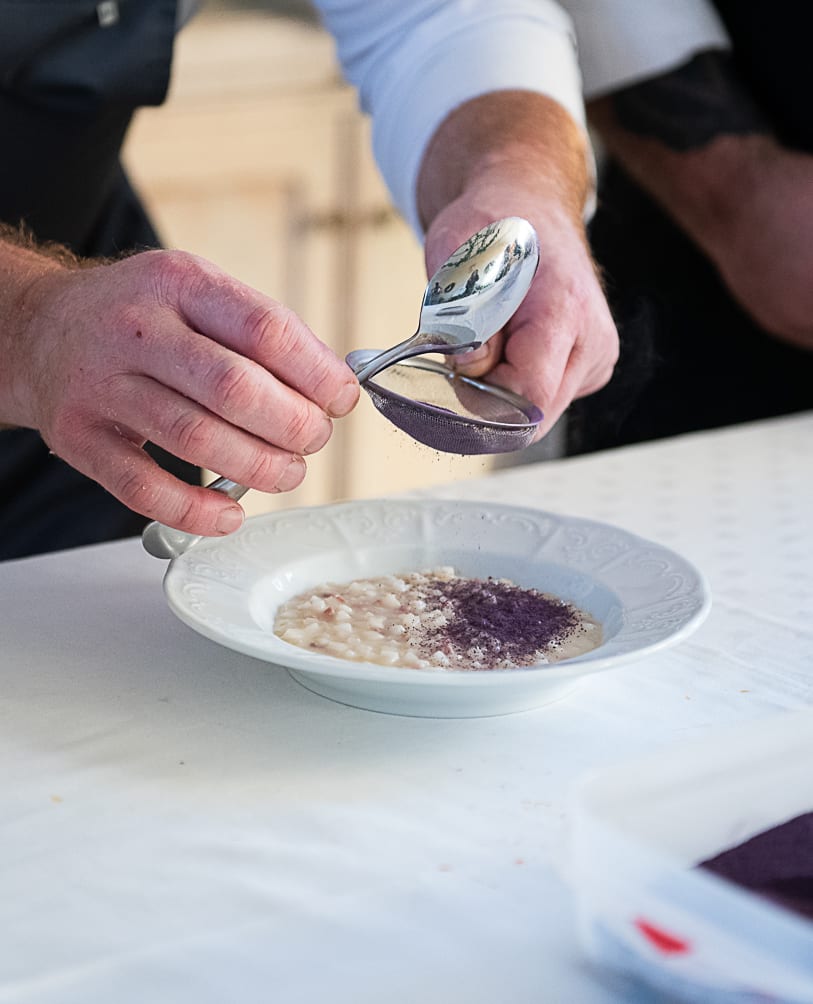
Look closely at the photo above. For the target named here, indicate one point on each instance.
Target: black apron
(690, 358)
(72, 72)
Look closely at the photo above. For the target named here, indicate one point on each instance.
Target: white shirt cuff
(414, 63)
(622, 42)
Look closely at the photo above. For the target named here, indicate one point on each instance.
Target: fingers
(561, 342)
(259, 328)
(556, 352)
(190, 432)
(238, 390)
(166, 347)
(129, 474)
(588, 369)
(104, 441)
(482, 360)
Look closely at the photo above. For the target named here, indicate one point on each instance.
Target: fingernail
(467, 358)
(230, 519)
(345, 401)
(319, 441)
(292, 475)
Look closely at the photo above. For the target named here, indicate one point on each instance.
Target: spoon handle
(416, 345)
(162, 541)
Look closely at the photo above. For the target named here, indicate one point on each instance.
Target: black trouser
(690, 358)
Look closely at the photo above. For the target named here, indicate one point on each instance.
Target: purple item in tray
(777, 864)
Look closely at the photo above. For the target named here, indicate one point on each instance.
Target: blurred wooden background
(261, 162)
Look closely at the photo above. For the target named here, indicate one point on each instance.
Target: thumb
(480, 361)
(441, 241)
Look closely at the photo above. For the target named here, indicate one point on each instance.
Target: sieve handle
(162, 541)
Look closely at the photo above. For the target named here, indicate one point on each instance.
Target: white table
(180, 823)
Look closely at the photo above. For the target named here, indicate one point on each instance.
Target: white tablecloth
(180, 823)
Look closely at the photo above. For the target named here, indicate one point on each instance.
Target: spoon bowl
(471, 296)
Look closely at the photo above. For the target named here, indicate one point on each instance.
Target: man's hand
(164, 347)
(520, 154)
(561, 343)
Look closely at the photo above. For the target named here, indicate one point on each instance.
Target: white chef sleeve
(414, 61)
(624, 41)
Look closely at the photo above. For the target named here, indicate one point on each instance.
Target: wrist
(24, 276)
(534, 180)
(533, 195)
(515, 141)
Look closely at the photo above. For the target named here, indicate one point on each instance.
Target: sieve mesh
(452, 413)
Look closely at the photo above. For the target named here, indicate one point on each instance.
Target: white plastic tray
(639, 830)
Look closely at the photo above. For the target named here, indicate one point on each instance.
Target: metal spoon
(470, 298)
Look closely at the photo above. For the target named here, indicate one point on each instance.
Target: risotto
(437, 620)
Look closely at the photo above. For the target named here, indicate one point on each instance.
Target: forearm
(695, 142)
(415, 62)
(693, 139)
(527, 141)
(22, 264)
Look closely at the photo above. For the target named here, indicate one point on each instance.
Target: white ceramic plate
(228, 589)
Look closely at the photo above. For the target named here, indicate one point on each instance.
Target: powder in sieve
(452, 413)
(449, 393)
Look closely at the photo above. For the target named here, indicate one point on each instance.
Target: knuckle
(127, 317)
(170, 271)
(325, 383)
(128, 487)
(273, 330)
(598, 377)
(263, 470)
(173, 264)
(299, 430)
(606, 371)
(192, 434)
(69, 430)
(176, 505)
(231, 388)
(612, 342)
(188, 514)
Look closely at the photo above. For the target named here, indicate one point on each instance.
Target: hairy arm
(101, 357)
(698, 143)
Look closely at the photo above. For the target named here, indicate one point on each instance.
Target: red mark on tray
(667, 943)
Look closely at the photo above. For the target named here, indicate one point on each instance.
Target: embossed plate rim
(217, 570)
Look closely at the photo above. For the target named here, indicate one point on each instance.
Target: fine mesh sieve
(450, 412)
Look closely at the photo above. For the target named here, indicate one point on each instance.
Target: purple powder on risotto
(505, 622)
(437, 620)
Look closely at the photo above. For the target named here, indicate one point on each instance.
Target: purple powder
(777, 864)
(504, 621)
(442, 429)
(452, 413)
